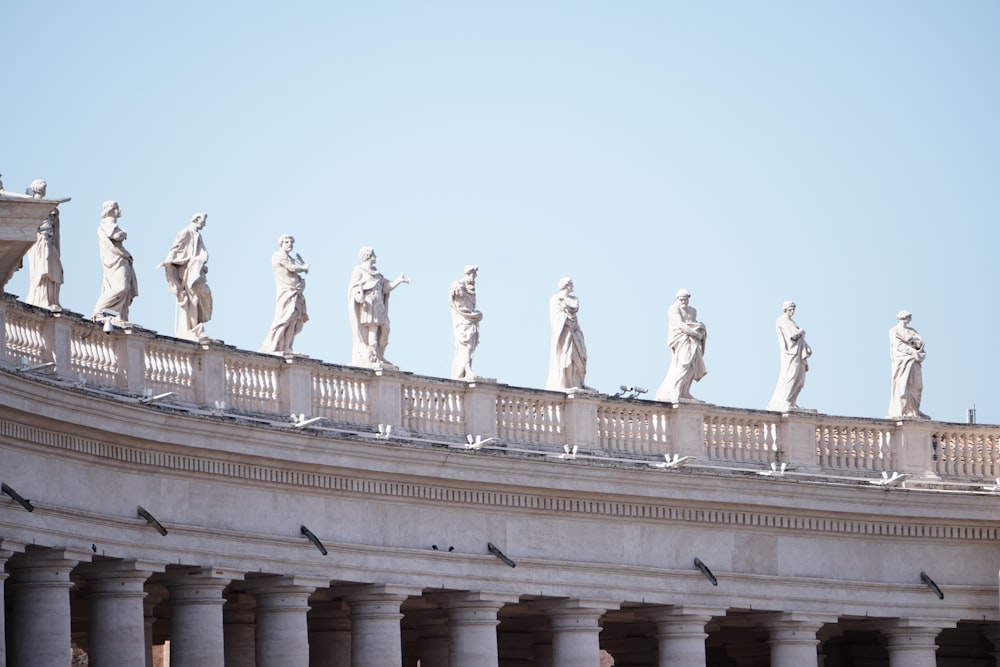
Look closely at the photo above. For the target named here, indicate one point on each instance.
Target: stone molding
(305, 477)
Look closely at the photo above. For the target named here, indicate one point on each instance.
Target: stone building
(159, 501)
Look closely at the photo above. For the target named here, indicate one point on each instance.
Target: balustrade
(138, 361)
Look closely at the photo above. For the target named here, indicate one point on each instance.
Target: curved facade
(174, 504)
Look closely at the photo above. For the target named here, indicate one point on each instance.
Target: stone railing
(138, 362)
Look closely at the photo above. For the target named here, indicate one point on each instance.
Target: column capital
(118, 569)
(282, 583)
(484, 599)
(680, 613)
(377, 592)
(790, 620)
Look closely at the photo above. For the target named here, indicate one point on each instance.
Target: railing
(140, 362)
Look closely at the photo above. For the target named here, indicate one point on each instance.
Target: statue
(45, 270)
(795, 353)
(37, 189)
(119, 286)
(906, 350)
(368, 310)
(686, 336)
(290, 302)
(465, 319)
(567, 350)
(187, 267)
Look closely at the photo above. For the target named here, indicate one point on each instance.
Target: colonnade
(220, 618)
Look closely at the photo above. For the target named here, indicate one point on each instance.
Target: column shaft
(41, 613)
(912, 646)
(196, 636)
(376, 636)
(282, 628)
(117, 629)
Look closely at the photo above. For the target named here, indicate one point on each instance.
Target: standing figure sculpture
(45, 270)
(289, 302)
(368, 310)
(686, 336)
(906, 350)
(567, 349)
(37, 189)
(186, 269)
(119, 286)
(465, 320)
(795, 353)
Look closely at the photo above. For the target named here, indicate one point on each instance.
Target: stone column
(680, 633)
(913, 642)
(472, 626)
(117, 630)
(196, 636)
(329, 634)
(792, 637)
(40, 611)
(239, 635)
(376, 637)
(282, 627)
(576, 629)
(4, 555)
(155, 593)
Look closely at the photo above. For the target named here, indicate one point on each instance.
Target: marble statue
(794, 353)
(45, 270)
(687, 346)
(37, 189)
(567, 349)
(119, 286)
(368, 310)
(465, 320)
(290, 302)
(906, 350)
(186, 269)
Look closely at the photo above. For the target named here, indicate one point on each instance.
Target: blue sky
(843, 155)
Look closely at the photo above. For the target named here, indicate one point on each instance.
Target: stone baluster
(376, 637)
(912, 642)
(680, 633)
(40, 606)
(576, 628)
(239, 633)
(115, 591)
(197, 638)
(472, 626)
(329, 633)
(282, 627)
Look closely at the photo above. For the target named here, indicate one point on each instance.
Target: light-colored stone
(368, 310)
(794, 353)
(567, 348)
(118, 286)
(45, 269)
(290, 313)
(186, 270)
(687, 346)
(906, 350)
(465, 320)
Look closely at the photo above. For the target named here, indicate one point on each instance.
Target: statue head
(788, 305)
(199, 220)
(471, 269)
(37, 188)
(286, 239)
(565, 282)
(45, 230)
(904, 315)
(110, 208)
(366, 253)
(683, 293)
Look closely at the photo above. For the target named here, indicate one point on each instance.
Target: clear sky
(845, 155)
